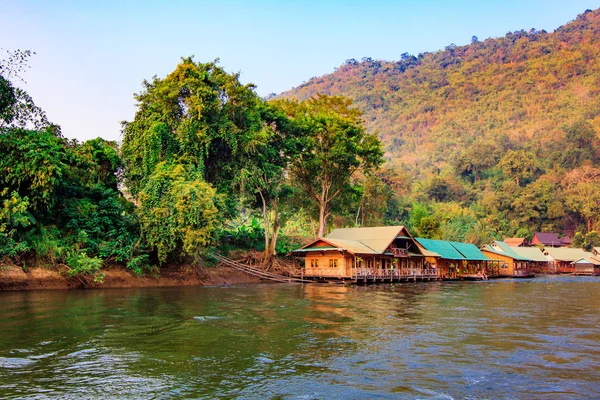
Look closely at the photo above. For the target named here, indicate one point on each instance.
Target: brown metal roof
(547, 238)
(515, 242)
(377, 239)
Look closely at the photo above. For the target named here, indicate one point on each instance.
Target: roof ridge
(366, 245)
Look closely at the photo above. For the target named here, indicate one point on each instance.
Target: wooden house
(513, 265)
(561, 259)
(456, 260)
(538, 263)
(596, 251)
(377, 253)
(586, 266)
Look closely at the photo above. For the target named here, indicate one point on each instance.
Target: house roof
(353, 246)
(547, 238)
(566, 254)
(442, 248)
(377, 239)
(504, 249)
(587, 260)
(515, 242)
(469, 251)
(531, 253)
(596, 249)
(566, 240)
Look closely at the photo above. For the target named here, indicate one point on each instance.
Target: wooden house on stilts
(384, 254)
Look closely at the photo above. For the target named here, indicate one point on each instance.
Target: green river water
(523, 339)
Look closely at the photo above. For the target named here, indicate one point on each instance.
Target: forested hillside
(502, 132)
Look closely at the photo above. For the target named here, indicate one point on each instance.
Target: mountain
(521, 89)
(462, 116)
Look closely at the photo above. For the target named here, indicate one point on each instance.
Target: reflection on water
(496, 339)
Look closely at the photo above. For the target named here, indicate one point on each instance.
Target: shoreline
(13, 278)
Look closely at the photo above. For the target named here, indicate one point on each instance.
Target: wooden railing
(403, 273)
(324, 272)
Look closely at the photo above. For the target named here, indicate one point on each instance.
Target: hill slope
(524, 86)
(456, 113)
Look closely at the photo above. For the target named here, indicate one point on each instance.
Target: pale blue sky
(93, 55)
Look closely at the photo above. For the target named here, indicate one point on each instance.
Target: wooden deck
(363, 275)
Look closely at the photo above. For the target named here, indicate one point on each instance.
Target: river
(535, 338)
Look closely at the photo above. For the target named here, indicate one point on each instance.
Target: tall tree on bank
(335, 147)
(198, 115)
(190, 127)
(266, 174)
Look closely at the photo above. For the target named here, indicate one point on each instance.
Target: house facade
(561, 259)
(513, 265)
(377, 253)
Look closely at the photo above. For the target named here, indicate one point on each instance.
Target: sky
(92, 56)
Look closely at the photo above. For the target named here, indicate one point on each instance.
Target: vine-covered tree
(336, 146)
(189, 135)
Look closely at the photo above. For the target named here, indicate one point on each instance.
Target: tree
(335, 147)
(518, 165)
(269, 159)
(177, 210)
(198, 115)
(192, 131)
(581, 194)
(581, 145)
(17, 108)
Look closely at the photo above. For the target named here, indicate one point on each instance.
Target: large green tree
(269, 160)
(187, 145)
(200, 116)
(336, 147)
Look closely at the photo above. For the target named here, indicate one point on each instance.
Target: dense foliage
(199, 133)
(499, 134)
(497, 138)
(59, 200)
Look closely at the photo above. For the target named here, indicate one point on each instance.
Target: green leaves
(177, 211)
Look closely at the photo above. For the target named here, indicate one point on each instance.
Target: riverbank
(14, 278)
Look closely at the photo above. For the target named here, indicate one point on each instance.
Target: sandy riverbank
(14, 278)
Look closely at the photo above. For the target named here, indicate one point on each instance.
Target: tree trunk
(266, 256)
(275, 232)
(322, 220)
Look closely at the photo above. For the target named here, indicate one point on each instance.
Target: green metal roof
(441, 247)
(509, 251)
(469, 251)
(531, 253)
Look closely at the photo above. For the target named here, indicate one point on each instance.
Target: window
(314, 263)
(333, 263)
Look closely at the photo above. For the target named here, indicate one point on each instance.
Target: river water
(499, 339)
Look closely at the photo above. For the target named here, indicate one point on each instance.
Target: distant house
(537, 260)
(455, 259)
(562, 259)
(516, 242)
(586, 266)
(547, 239)
(566, 241)
(387, 252)
(513, 264)
(596, 251)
